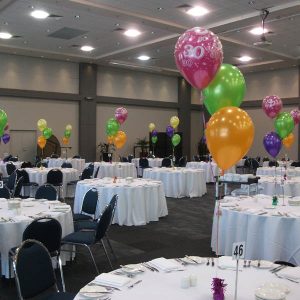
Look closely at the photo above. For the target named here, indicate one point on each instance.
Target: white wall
(23, 114)
(196, 130)
(136, 85)
(136, 125)
(28, 73)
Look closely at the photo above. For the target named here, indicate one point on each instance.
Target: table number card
(238, 250)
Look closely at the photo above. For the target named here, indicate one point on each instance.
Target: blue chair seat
(80, 237)
(81, 217)
(60, 296)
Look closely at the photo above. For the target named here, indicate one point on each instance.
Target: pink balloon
(272, 106)
(198, 55)
(121, 114)
(295, 113)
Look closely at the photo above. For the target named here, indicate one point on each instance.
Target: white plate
(269, 294)
(276, 285)
(264, 264)
(28, 204)
(133, 269)
(192, 260)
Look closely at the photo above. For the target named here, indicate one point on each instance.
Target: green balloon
(112, 127)
(176, 139)
(154, 139)
(3, 119)
(284, 124)
(47, 133)
(67, 133)
(227, 89)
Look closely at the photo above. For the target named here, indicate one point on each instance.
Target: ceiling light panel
(197, 11)
(5, 35)
(132, 32)
(39, 14)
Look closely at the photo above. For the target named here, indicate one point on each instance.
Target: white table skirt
(3, 167)
(115, 169)
(280, 162)
(161, 286)
(140, 202)
(266, 236)
(39, 176)
(77, 163)
(279, 171)
(179, 182)
(11, 232)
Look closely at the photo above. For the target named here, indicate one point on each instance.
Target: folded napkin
(164, 264)
(111, 280)
(226, 262)
(93, 289)
(21, 218)
(290, 272)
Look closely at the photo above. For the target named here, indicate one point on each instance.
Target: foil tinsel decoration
(218, 288)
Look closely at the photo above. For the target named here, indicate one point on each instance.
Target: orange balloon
(120, 139)
(65, 140)
(110, 139)
(42, 142)
(289, 140)
(229, 135)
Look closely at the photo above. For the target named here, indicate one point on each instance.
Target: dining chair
(182, 161)
(91, 166)
(46, 191)
(26, 164)
(26, 182)
(53, 155)
(130, 157)
(66, 165)
(143, 164)
(14, 159)
(18, 188)
(86, 174)
(4, 192)
(10, 168)
(41, 164)
(166, 162)
(10, 183)
(34, 272)
(273, 164)
(97, 172)
(77, 156)
(55, 177)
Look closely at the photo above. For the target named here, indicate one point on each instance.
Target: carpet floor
(186, 230)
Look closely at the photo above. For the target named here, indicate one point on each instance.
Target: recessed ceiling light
(132, 32)
(144, 57)
(87, 48)
(245, 58)
(258, 30)
(77, 17)
(197, 11)
(39, 14)
(5, 35)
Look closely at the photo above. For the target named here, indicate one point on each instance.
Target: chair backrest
(18, 188)
(13, 158)
(22, 173)
(273, 164)
(12, 181)
(104, 222)
(46, 191)
(4, 192)
(54, 155)
(86, 173)
(266, 159)
(41, 163)
(144, 163)
(48, 231)
(33, 269)
(196, 158)
(92, 167)
(166, 162)
(182, 161)
(123, 159)
(113, 203)
(6, 158)
(96, 173)
(76, 156)
(26, 164)
(130, 157)
(10, 168)
(258, 158)
(90, 201)
(66, 165)
(55, 177)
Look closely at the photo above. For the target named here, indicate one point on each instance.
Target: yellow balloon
(69, 127)
(120, 139)
(151, 127)
(289, 140)
(174, 122)
(41, 124)
(229, 135)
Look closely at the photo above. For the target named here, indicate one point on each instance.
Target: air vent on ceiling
(119, 29)
(67, 33)
(75, 46)
(55, 16)
(184, 6)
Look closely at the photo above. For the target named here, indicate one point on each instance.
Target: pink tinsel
(218, 288)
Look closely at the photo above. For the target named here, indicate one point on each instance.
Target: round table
(39, 175)
(115, 169)
(279, 171)
(162, 285)
(271, 234)
(13, 223)
(3, 167)
(179, 182)
(289, 187)
(77, 163)
(140, 201)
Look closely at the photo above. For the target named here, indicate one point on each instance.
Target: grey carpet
(186, 230)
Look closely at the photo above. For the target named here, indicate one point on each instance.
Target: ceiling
(101, 23)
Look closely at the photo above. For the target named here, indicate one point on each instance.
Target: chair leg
(107, 255)
(61, 273)
(93, 259)
(111, 249)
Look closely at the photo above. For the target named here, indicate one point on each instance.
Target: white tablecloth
(289, 187)
(140, 202)
(113, 169)
(11, 232)
(162, 286)
(153, 162)
(271, 171)
(179, 182)
(77, 163)
(280, 162)
(211, 169)
(3, 167)
(268, 236)
(39, 176)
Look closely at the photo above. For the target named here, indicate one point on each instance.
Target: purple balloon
(154, 132)
(272, 106)
(170, 131)
(272, 143)
(5, 138)
(295, 113)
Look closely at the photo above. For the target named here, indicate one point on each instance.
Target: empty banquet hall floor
(186, 230)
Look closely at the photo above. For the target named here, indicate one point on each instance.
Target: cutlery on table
(135, 283)
(275, 270)
(109, 288)
(258, 263)
(207, 261)
(281, 277)
(245, 264)
(193, 260)
(249, 263)
(124, 274)
(181, 261)
(212, 262)
(150, 267)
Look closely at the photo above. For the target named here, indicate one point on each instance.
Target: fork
(207, 261)
(181, 261)
(212, 262)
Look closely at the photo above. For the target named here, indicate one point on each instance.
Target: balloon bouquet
(154, 134)
(4, 134)
(114, 135)
(46, 134)
(66, 138)
(170, 131)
